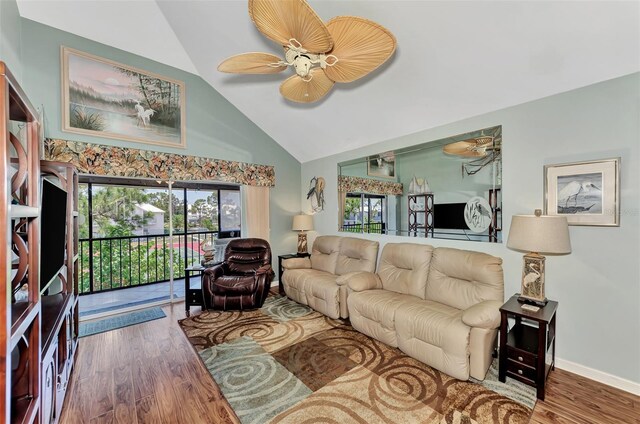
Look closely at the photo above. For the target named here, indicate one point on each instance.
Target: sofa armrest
(361, 281)
(483, 315)
(296, 263)
(215, 271)
(264, 269)
(343, 279)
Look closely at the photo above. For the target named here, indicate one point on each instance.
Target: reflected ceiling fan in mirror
(472, 148)
(484, 149)
(345, 49)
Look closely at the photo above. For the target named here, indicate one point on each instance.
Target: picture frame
(104, 98)
(382, 165)
(586, 193)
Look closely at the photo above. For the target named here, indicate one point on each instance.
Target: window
(365, 213)
(230, 212)
(125, 225)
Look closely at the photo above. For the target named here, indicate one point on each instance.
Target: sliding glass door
(365, 213)
(141, 235)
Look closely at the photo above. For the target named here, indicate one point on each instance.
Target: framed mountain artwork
(586, 193)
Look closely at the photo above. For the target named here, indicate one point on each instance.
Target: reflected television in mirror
(448, 188)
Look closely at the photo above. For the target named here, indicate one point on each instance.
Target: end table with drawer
(528, 349)
(193, 289)
(281, 270)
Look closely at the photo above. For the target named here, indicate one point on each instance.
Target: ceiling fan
(478, 147)
(345, 49)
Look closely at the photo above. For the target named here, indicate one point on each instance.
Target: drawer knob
(520, 372)
(520, 358)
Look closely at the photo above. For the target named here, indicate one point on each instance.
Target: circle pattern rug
(286, 363)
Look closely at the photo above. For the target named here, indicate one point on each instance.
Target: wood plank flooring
(149, 373)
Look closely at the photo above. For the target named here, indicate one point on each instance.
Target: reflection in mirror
(448, 188)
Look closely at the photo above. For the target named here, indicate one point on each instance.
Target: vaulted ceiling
(455, 59)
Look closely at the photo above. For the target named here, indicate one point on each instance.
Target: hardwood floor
(149, 373)
(146, 373)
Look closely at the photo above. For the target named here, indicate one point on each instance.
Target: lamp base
(529, 301)
(302, 242)
(532, 287)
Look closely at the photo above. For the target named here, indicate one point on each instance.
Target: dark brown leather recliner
(242, 281)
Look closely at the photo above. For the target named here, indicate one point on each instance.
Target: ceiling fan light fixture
(345, 49)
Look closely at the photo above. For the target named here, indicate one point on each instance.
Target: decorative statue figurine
(209, 253)
(419, 186)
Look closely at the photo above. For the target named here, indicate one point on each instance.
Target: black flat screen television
(53, 222)
(449, 216)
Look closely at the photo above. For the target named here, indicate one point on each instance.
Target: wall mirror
(448, 188)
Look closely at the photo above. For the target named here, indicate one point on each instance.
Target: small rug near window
(286, 363)
(90, 328)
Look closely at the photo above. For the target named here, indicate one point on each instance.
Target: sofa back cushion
(324, 254)
(462, 278)
(357, 255)
(404, 268)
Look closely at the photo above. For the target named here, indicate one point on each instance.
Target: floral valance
(115, 161)
(368, 185)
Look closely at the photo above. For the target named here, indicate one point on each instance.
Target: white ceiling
(454, 60)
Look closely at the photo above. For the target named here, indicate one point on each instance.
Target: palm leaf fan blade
(298, 90)
(283, 20)
(463, 148)
(252, 63)
(360, 46)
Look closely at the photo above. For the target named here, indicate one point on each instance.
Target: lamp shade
(540, 234)
(302, 223)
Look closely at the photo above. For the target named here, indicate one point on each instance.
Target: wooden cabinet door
(48, 394)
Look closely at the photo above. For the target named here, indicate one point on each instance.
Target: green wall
(598, 284)
(215, 128)
(10, 37)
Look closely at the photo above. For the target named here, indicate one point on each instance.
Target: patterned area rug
(90, 328)
(286, 363)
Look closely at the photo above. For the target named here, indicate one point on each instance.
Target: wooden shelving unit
(19, 258)
(495, 200)
(59, 333)
(420, 207)
(39, 334)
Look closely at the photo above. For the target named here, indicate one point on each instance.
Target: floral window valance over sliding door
(348, 184)
(97, 159)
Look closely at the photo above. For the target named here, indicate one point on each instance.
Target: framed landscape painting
(103, 98)
(382, 165)
(586, 193)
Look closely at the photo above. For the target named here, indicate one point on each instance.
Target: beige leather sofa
(320, 281)
(440, 306)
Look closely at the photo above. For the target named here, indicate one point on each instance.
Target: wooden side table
(192, 293)
(528, 349)
(280, 270)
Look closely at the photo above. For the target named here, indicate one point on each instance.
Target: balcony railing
(368, 227)
(110, 263)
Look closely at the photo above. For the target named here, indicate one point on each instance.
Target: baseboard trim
(599, 376)
(275, 283)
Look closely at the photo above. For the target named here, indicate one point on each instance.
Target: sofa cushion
(296, 281)
(404, 268)
(373, 312)
(435, 334)
(461, 278)
(357, 255)
(324, 254)
(323, 295)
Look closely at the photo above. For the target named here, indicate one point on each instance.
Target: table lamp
(302, 223)
(537, 234)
